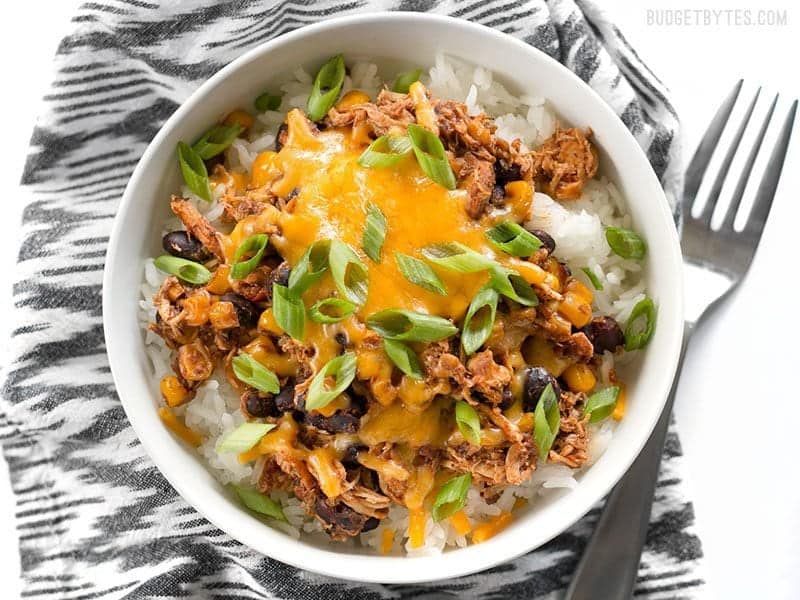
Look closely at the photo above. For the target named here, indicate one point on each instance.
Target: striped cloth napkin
(95, 518)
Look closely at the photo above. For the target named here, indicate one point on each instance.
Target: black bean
(338, 422)
(181, 244)
(259, 405)
(503, 173)
(536, 380)
(350, 458)
(340, 337)
(508, 399)
(498, 197)
(280, 274)
(284, 401)
(246, 311)
(340, 518)
(547, 240)
(371, 524)
(605, 334)
(280, 138)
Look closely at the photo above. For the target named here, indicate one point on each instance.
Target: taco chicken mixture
(364, 319)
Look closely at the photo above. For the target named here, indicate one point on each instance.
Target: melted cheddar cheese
(330, 193)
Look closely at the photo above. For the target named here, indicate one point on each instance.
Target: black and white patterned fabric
(94, 516)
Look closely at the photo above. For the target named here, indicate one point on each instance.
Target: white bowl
(408, 39)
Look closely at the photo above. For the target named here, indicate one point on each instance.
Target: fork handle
(607, 570)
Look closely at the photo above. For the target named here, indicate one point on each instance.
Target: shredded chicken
(571, 443)
(486, 465)
(367, 502)
(476, 177)
(489, 381)
(565, 162)
(442, 366)
(391, 113)
(198, 226)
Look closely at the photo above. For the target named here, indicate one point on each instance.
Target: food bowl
(404, 39)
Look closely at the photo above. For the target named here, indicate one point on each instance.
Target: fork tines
(698, 166)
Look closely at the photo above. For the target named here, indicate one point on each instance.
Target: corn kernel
(530, 272)
(416, 527)
(173, 391)
(577, 288)
(223, 316)
(253, 454)
(196, 309)
(267, 322)
(540, 352)
(182, 431)
(579, 378)
(619, 409)
(219, 283)
(519, 191)
(460, 523)
(387, 541)
(239, 117)
(576, 309)
(352, 98)
(491, 528)
(426, 116)
(525, 422)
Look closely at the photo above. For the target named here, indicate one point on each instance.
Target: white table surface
(738, 398)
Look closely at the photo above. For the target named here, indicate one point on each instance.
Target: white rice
(576, 226)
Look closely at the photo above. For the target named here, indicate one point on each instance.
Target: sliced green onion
(386, 151)
(479, 320)
(404, 81)
(331, 310)
(512, 238)
(349, 274)
(636, 335)
(289, 311)
(327, 85)
(254, 246)
(260, 503)
(403, 357)
(419, 273)
(310, 268)
(374, 233)
(410, 326)
(267, 101)
(244, 437)
(512, 285)
(183, 269)
(457, 257)
(469, 424)
(216, 140)
(626, 243)
(451, 497)
(601, 404)
(248, 370)
(431, 156)
(593, 278)
(546, 421)
(342, 369)
(194, 171)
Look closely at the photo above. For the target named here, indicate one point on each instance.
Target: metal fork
(715, 262)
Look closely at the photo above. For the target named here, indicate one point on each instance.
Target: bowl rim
(374, 568)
